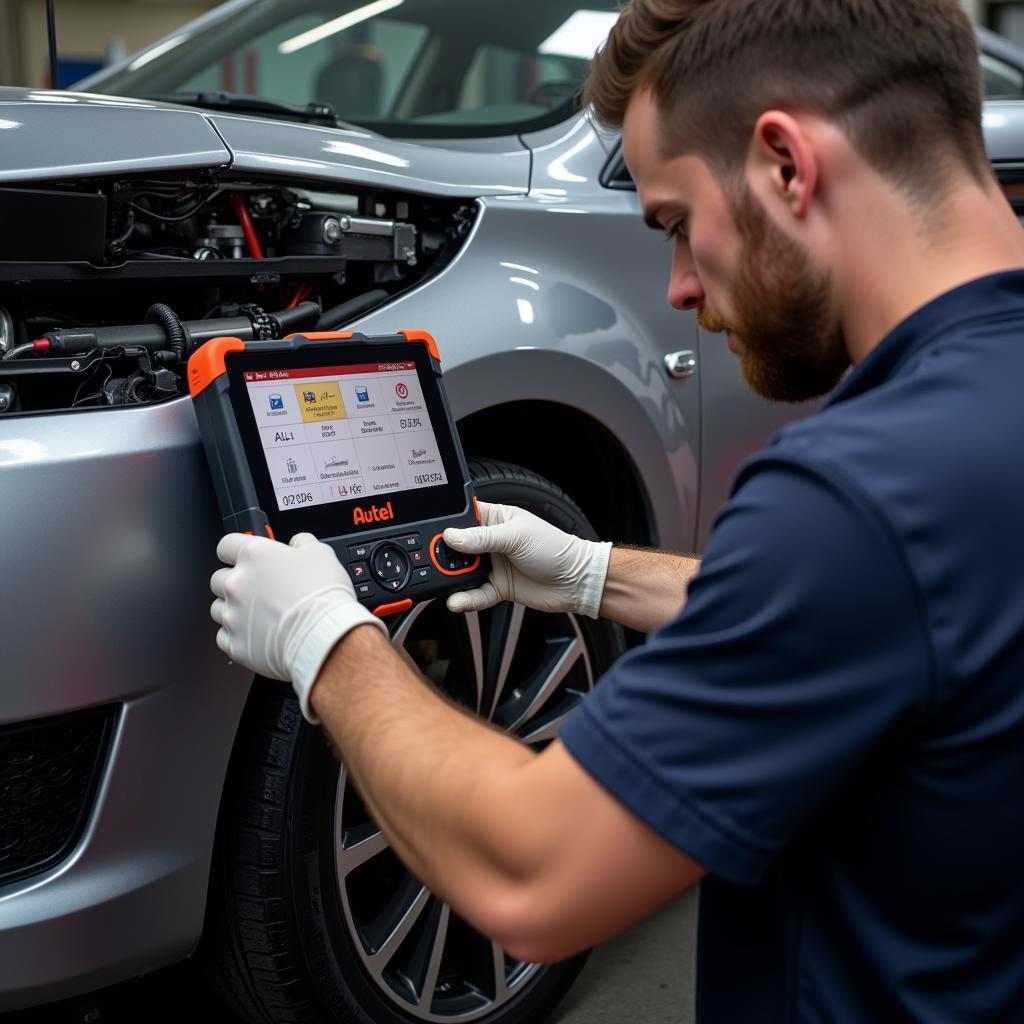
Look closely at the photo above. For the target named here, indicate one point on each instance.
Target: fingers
(230, 549)
(218, 582)
(218, 610)
(224, 641)
(493, 513)
(500, 539)
(485, 596)
(300, 540)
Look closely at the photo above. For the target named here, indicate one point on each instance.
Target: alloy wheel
(525, 672)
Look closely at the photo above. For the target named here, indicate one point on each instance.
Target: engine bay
(107, 286)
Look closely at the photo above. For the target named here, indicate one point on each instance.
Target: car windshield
(400, 67)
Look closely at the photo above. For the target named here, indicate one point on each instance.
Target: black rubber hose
(302, 315)
(18, 352)
(177, 339)
(154, 334)
(331, 319)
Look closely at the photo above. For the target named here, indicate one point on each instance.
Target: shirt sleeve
(801, 644)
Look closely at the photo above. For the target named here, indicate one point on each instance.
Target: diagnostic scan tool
(349, 438)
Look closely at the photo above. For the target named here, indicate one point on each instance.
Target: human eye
(676, 231)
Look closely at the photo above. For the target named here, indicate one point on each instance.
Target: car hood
(1004, 129)
(51, 135)
(55, 134)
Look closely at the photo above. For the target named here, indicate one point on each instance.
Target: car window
(399, 66)
(358, 73)
(1001, 80)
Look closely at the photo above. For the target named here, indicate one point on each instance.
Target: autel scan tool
(349, 438)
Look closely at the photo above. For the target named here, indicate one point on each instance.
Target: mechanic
(833, 727)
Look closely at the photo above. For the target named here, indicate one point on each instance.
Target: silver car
(302, 165)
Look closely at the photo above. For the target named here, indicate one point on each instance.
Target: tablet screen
(344, 433)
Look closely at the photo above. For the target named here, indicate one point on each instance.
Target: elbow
(529, 927)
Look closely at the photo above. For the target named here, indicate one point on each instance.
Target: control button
(420, 576)
(359, 570)
(364, 590)
(360, 552)
(410, 543)
(391, 567)
(417, 558)
(452, 561)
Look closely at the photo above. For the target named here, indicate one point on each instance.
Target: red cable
(251, 238)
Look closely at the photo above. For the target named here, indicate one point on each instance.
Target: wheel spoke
(436, 954)
(476, 647)
(401, 635)
(548, 730)
(381, 956)
(511, 626)
(500, 980)
(548, 678)
(358, 846)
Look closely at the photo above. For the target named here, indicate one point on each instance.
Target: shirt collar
(979, 301)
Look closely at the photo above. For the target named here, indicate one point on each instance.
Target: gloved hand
(532, 563)
(282, 608)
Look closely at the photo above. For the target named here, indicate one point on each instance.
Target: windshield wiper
(312, 113)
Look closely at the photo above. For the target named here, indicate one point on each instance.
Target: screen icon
(276, 402)
(293, 466)
(402, 390)
(418, 453)
(362, 394)
(308, 397)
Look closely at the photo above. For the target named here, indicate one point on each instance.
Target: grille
(49, 772)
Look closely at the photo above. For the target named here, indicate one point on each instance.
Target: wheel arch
(547, 437)
(619, 447)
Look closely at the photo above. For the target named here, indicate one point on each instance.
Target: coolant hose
(331, 319)
(162, 314)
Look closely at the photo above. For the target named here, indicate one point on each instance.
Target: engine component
(108, 284)
(165, 317)
(6, 332)
(332, 319)
(354, 238)
(226, 239)
(252, 324)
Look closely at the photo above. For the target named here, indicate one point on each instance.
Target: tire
(310, 916)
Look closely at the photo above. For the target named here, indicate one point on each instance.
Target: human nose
(684, 288)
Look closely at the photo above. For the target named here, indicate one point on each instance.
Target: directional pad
(391, 567)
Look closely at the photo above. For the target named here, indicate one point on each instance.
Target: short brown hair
(901, 77)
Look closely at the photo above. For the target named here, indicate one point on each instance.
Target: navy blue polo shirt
(834, 725)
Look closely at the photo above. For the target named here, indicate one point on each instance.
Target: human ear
(782, 157)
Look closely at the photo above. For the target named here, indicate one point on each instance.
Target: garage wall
(87, 30)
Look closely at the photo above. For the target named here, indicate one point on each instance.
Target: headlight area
(107, 286)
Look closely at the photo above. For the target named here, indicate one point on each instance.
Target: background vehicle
(154, 798)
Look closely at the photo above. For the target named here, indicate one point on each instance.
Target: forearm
(645, 589)
(438, 782)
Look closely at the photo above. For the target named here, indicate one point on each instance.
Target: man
(833, 726)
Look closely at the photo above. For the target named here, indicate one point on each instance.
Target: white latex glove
(282, 608)
(532, 563)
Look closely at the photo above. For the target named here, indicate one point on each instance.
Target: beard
(792, 346)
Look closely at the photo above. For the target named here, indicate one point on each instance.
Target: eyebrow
(652, 217)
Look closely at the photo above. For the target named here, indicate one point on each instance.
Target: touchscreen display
(338, 433)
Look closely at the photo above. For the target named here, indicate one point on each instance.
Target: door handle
(681, 365)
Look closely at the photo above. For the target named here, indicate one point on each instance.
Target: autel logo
(375, 514)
